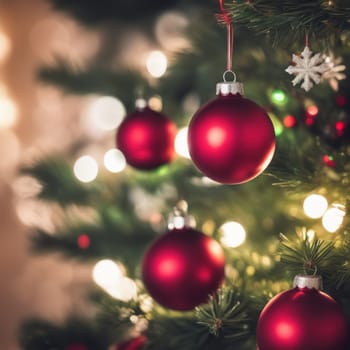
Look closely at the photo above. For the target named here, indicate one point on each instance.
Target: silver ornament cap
(308, 281)
(227, 88)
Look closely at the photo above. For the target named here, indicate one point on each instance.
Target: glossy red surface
(182, 267)
(231, 139)
(302, 319)
(146, 138)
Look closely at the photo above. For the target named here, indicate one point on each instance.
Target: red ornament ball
(302, 319)
(231, 139)
(182, 268)
(76, 346)
(133, 344)
(146, 138)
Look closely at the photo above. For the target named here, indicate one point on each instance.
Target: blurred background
(34, 120)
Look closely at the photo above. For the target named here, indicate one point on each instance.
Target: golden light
(124, 289)
(315, 205)
(170, 31)
(8, 112)
(114, 161)
(106, 273)
(105, 113)
(156, 64)
(156, 103)
(86, 169)
(233, 234)
(181, 145)
(333, 218)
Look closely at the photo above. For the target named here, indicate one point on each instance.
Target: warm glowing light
(156, 64)
(125, 289)
(312, 111)
(315, 205)
(5, 46)
(105, 113)
(233, 234)
(333, 218)
(85, 169)
(8, 112)
(106, 273)
(279, 98)
(156, 103)
(114, 161)
(181, 145)
(289, 121)
(170, 31)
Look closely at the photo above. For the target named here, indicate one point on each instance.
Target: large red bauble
(231, 139)
(146, 138)
(182, 268)
(302, 319)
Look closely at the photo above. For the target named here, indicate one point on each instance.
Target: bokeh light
(86, 169)
(233, 234)
(105, 113)
(181, 145)
(315, 205)
(170, 31)
(156, 103)
(333, 218)
(278, 97)
(8, 112)
(156, 64)
(114, 161)
(106, 273)
(125, 289)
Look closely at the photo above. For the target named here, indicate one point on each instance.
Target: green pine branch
(125, 84)
(287, 22)
(310, 255)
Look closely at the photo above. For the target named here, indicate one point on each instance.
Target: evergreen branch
(58, 182)
(94, 79)
(315, 256)
(225, 315)
(288, 21)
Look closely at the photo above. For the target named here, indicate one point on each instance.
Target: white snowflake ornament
(307, 67)
(335, 71)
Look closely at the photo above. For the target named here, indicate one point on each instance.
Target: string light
(125, 289)
(106, 273)
(105, 113)
(156, 64)
(333, 218)
(181, 145)
(278, 97)
(85, 169)
(8, 112)
(315, 205)
(114, 161)
(233, 234)
(156, 103)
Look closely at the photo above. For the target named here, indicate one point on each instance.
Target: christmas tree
(192, 236)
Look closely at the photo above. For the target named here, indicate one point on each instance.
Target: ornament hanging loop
(224, 76)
